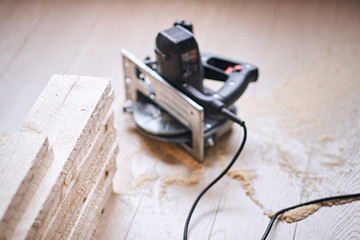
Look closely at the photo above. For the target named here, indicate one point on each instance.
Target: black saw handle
(235, 75)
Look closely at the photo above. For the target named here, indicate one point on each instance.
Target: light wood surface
(92, 211)
(303, 113)
(84, 177)
(25, 157)
(69, 111)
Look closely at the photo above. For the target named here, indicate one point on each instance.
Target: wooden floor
(303, 114)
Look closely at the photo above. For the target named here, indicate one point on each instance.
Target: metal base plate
(153, 121)
(141, 80)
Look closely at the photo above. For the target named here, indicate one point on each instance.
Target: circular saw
(168, 99)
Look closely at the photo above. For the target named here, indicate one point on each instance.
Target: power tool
(168, 99)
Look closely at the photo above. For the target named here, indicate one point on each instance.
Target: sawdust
(287, 164)
(168, 152)
(174, 155)
(301, 213)
(3, 137)
(146, 178)
(308, 105)
(221, 158)
(337, 160)
(303, 106)
(181, 180)
(246, 177)
(325, 138)
(170, 155)
(307, 108)
(269, 213)
(305, 97)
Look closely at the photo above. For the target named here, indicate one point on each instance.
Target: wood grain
(25, 158)
(95, 205)
(77, 191)
(69, 111)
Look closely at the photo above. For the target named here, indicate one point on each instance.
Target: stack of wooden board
(61, 162)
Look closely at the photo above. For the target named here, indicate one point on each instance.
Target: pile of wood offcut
(56, 171)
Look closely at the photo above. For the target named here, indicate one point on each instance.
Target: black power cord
(234, 118)
(237, 120)
(321, 200)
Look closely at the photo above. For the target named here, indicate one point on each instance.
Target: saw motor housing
(168, 99)
(178, 57)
